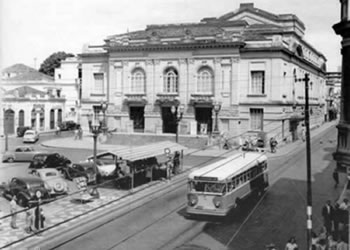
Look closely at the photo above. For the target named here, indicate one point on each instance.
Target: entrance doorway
(52, 118)
(169, 123)
(204, 119)
(9, 118)
(137, 115)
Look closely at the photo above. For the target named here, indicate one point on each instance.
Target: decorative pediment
(167, 99)
(201, 99)
(137, 99)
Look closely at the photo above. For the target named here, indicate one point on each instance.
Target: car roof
(29, 179)
(46, 170)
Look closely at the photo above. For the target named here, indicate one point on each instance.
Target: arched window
(171, 81)
(138, 80)
(205, 80)
(21, 118)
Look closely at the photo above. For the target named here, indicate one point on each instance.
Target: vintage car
(21, 153)
(27, 190)
(31, 136)
(21, 130)
(82, 169)
(53, 180)
(106, 169)
(68, 125)
(49, 160)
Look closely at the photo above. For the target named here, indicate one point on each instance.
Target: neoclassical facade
(247, 61)
(30, 98)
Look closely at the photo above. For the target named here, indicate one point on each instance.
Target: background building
(246, 61)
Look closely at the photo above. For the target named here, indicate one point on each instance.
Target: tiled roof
(25, 90)
(18, 68)
(31, 76)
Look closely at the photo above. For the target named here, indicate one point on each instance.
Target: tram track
(124, 208)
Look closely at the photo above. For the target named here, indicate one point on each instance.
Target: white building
(246, 61)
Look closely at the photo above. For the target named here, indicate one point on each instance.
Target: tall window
(21, 118)
(256, 119)
(171, 81)
(138, 80)
(257, 82)
(99, 84)
(205, 80)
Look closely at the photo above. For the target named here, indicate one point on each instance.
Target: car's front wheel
(10, 159)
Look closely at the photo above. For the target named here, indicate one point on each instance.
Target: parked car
(27, 190)
(53, 180)
(68, 125)
(31, 136)
(82, 169)
(49, 160)
(106, 169)
(21, 153)
(21, 130)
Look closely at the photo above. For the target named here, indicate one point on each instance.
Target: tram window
(215, 188)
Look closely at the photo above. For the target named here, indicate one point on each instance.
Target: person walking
(39, 219)
(336, 218)
(291, 244)
(29, 222)
(327, 214)
(273, 144)
(13, 210)
(76, 133)
(336, 178)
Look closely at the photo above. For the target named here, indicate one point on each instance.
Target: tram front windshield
(210, 187)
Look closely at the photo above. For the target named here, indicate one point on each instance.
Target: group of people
(335, 219)
(34, 222)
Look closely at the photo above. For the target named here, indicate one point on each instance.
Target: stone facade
(245, 60)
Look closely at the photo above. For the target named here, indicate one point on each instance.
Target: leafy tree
(53, 61)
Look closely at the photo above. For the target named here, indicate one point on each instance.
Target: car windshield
(49, 174)
(40, 158)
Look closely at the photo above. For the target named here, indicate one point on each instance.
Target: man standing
(327, 213)
(336, 178)
(13, 210)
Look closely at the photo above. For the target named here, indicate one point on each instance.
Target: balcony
(201, 99)
(168, 99)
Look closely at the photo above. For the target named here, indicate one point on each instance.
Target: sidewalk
(67, 214)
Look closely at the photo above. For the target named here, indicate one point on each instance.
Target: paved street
(67, 209)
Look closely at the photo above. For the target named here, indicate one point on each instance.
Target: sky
(31, 30)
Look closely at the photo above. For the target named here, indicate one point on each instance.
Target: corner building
(246, 61)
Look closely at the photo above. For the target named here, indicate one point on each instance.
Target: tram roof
(143, 152)
(228, 167)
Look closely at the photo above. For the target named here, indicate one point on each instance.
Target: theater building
(244, 62)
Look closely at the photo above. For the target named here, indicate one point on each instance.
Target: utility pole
(308, 159)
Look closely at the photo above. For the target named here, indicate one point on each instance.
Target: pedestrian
(303, 137)
(13, 210)
(341, 244)
(273, 144)
(336, 177)
(344, 213)
(291, 244)
(39, 219)
(314, 240)
(332, 243)
(337, 215)
(80, 132)
(176, 162)
(58, 130)
(76, 133)
(345, 204)
(29, 222)
(327, 213)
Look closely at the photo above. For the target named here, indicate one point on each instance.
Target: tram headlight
(192, 200)
(217, 202)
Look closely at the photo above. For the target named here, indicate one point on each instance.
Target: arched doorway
(52, 119)
(59, 116)
(21, 118)
(9, 124)
(33, 119)
(42, 118)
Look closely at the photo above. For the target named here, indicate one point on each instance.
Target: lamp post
(95, 129)
(104, 106)
(217, 108)
(308, 159)
(177, 112)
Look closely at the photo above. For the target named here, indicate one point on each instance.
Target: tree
(53, 61)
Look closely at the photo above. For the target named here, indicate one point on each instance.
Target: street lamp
(104, 106)
(95, 129)
(177, 112)
(217, 108)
